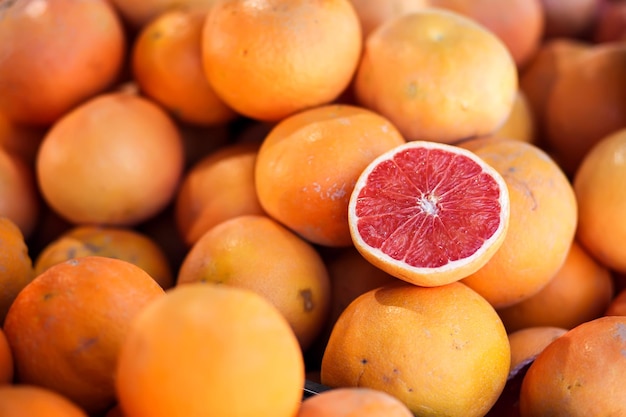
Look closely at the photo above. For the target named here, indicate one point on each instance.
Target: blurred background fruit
(118, 173)
(56, 54)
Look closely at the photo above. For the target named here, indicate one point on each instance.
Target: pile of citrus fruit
(416, 206)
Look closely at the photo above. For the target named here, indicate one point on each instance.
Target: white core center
(428, 204)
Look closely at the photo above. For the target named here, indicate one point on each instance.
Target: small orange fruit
(353, 401)
(16, 267)
(429, 213)
(66, 327)
(581, 373)
(258, 253)
(272, 58)
(410, 74)
(55, 55)
(580, 291)
(33, 401)
(216, 188)
(526, 344)
(115, 160)
(309, 163)
(601, 196)
(440, 350)
(192, 352)
(167, 65)
(541, 198)
(114, 242)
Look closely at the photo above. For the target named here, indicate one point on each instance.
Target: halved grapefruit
(429, 213)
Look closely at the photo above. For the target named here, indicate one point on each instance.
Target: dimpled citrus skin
(268, 59)
(409, 73)
(440, 350)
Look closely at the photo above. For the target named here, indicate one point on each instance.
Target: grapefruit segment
(429, 213)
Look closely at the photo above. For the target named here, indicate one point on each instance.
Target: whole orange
(115, 160)
(193, 351)
(410, 73)
(440, 350)
(66, 327)
(55, 55)
(308, 164)
(258, 253)
(268, 59)
(167, 65)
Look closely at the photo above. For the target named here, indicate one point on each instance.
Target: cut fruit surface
(429, 213)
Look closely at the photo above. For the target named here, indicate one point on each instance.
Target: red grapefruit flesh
(429, 213)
